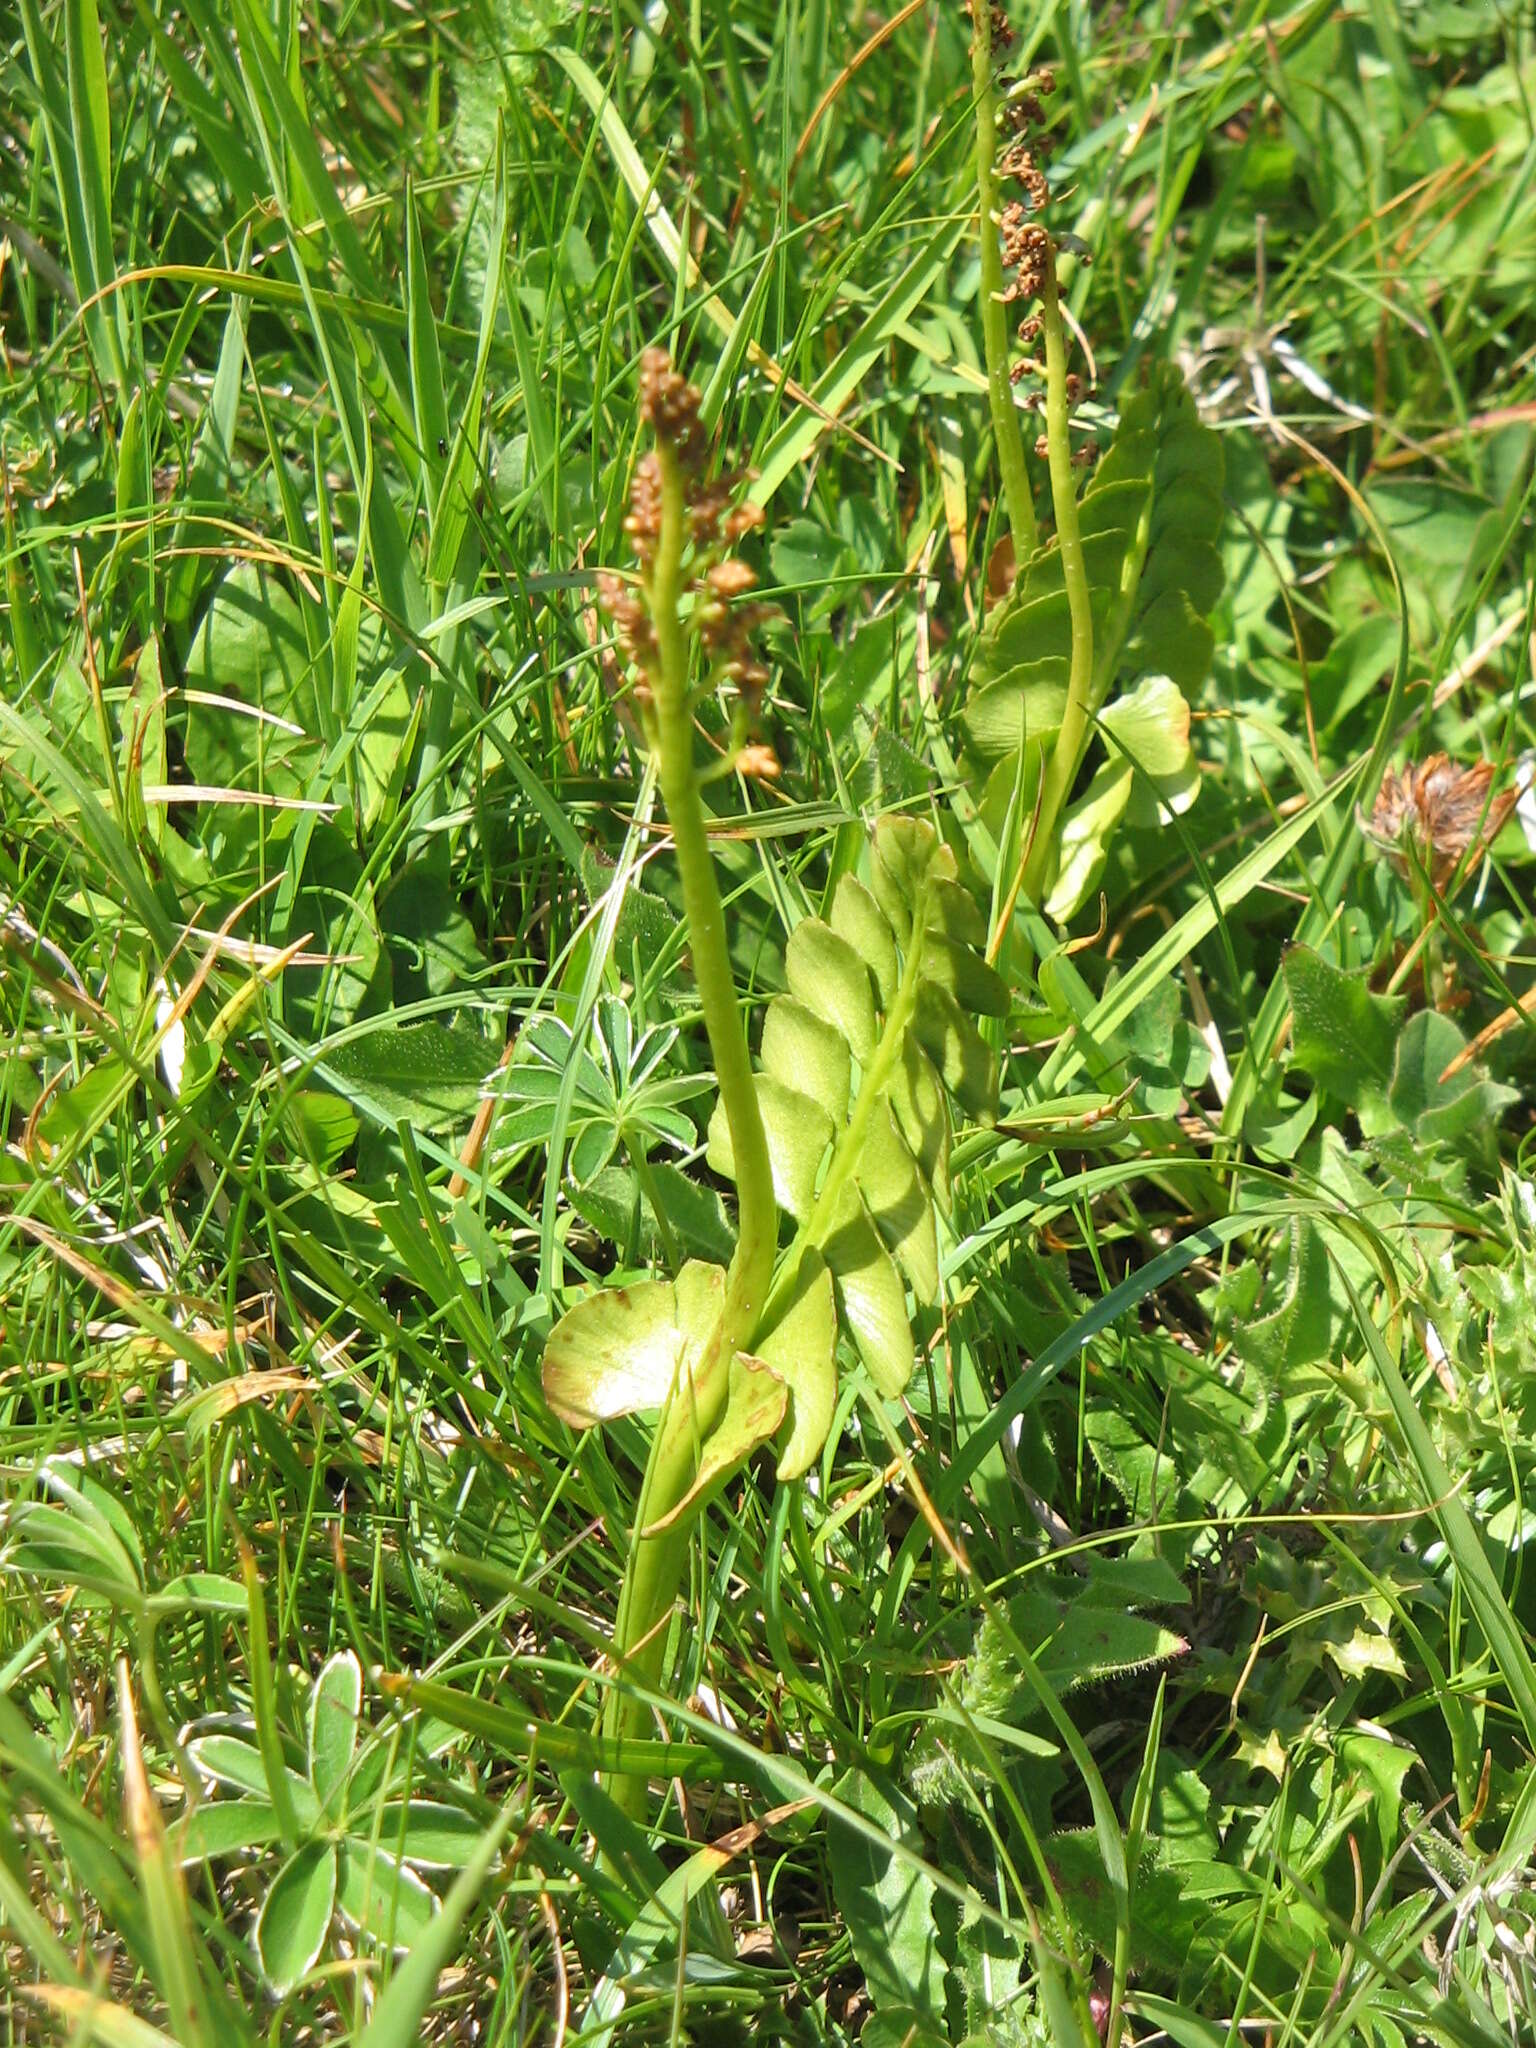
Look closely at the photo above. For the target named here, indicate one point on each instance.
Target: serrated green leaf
(1298, 1328)
(1343, 1035)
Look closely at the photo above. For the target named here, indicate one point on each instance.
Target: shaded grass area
(350, 1033)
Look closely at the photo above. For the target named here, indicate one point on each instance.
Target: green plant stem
(994, 313)
(1067, 753)
(652, 1573)
(656, 1560)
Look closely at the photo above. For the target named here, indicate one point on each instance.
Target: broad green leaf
(1168, 1058)
(1024, 707)
(1084, 842)
(806, 1054)
(295, 1916)
(917, 1096)
(333, 1710)
(962, 1057)
(223, 1827)
(433, 1836)
(201, 1592)
(252, 715)
(898, 1201)
(1171, 639)
(960, 969)
(625, 1348)
(229, 1761)
(380, 1899)
(617, 1203)
(903, 855)
(431, 1076)
(956, 917)
(402, 2004)
(874, 1300)
(798, 1130)
(1149, 728)
(827, 975)
(1463, 1111)
(326, 902)
(858, 919)
(801, 1349)
(887, 1903)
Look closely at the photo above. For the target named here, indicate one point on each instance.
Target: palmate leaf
(858, 1061)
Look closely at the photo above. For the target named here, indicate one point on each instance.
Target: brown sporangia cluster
(1442, 812)
(999, 27)
(718, 616)
(1027, 246)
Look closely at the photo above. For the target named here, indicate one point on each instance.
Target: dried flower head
(1444, 812)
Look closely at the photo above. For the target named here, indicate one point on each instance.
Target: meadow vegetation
(767, 1221)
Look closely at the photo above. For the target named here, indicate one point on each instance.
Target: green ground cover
(1092, 1601)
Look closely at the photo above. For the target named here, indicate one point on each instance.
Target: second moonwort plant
(844, 1131)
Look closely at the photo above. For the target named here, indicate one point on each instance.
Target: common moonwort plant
(838, 1139)
(844, 1129)
(1120, 593)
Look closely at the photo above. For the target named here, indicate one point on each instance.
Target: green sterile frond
(858, 1064)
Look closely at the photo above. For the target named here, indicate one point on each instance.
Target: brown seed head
(1445, 812)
